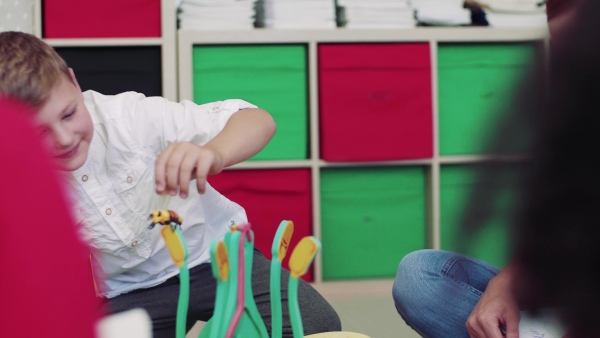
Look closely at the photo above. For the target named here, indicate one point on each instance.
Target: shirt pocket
(92, 230)
(135, 186)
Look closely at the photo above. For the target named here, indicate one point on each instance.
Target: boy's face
(65, 124)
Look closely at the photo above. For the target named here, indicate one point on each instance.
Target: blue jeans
(435, 291)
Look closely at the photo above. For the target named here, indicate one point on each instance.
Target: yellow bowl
(340, 334)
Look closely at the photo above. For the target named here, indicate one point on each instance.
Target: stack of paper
(441, 12)
(516, 13)
(216, 14)
(378, 14)
(299, 14)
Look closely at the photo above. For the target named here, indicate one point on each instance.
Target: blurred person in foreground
(555, 224)
(47, 284)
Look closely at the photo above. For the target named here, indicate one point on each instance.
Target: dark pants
(161, 301)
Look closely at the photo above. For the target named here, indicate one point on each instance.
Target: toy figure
(165, 217)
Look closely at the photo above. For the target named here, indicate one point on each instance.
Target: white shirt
(114, 191)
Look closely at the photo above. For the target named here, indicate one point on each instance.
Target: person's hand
(497, 307)
(182, 162)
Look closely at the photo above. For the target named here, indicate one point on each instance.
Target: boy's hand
(244, 135)
(182, 162)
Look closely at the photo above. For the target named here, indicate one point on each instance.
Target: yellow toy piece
(303, 255)
(174, 244)
(222, 261)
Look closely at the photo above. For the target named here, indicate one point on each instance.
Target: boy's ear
(74, 79)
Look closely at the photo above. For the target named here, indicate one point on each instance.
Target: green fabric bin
(273, 77)
(491, 243)
(476, 84)
(370, 219)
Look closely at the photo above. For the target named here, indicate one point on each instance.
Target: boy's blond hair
(29, 68)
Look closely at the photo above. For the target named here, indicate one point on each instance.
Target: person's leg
(317, 314)
(435, 291)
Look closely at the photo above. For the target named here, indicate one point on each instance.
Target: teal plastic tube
(184, 293)
(295, 317)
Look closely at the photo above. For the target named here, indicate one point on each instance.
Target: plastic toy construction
(236, 314)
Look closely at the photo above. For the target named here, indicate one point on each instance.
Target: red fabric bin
(375, 101)
(269, 197)
(101, 19)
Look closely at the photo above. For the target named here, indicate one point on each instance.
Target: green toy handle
(182, 304)
(184, 292)
(276, 315)
(295, 317)
(278, 252)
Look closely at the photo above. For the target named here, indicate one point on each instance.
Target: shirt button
(108, 211)
(215, 108)
(134, 243)
(129, 179)
(84, 178)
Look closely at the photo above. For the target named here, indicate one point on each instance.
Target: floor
(364, 307)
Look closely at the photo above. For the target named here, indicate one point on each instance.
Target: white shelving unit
(434, 36)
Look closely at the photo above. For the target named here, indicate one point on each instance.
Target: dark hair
(556, 224)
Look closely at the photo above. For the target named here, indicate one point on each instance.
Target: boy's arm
(244, 135)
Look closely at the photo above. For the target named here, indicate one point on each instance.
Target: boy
(122, 152)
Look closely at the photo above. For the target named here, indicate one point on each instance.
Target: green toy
(235, 309)
(281, 242)
(220, 267)
(246, 319)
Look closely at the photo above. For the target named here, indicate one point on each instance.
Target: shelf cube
(491, 243)
(101, 19)
(269, 197)
(113, 70)
(272, 77)
(370, 219)
(476, 87)
(375, 101)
